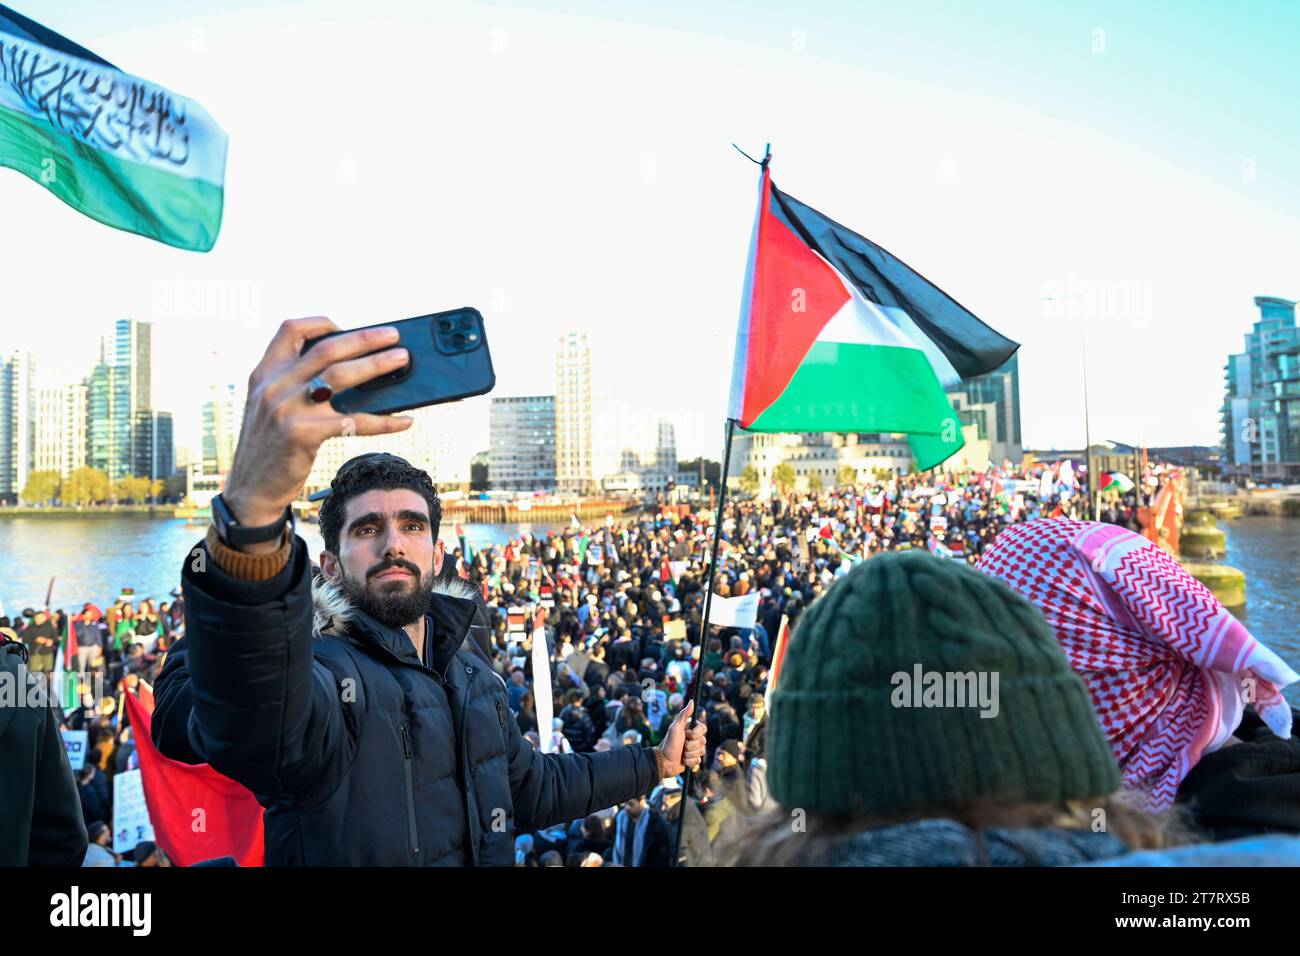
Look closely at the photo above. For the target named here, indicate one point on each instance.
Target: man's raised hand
(283, 428)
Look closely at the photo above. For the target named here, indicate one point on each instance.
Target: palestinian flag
(119, 149)
(1116, 481)
(837, 335)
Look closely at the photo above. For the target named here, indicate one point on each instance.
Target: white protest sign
(130, 814)
(734, 612)
(74, 742)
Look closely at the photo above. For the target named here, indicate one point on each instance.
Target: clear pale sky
(568, 165)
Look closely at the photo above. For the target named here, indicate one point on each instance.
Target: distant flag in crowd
(574, 522)
(827, 534)
(1116, 481)
(516, 621)
(119, 149)
(937, 547)
(59, 680)
(837, 335)
(65, 681)
(230, 823)
(70, 645)
(778, 657)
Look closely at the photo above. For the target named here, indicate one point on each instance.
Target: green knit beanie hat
(879, 708)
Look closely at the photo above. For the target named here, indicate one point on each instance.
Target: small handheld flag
(1116, 481)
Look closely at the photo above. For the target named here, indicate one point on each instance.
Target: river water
(92, 559)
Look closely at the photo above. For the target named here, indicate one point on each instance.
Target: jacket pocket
(409, 768)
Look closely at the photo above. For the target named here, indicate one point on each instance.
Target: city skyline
(104, 420)
(1048, 208)
(988, 407)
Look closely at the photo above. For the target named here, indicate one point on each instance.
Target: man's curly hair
(383, 472)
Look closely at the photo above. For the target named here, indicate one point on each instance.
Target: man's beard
(390, 606)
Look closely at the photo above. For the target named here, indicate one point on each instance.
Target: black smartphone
(448, 359)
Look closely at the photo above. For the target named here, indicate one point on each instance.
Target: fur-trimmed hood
(331, 609)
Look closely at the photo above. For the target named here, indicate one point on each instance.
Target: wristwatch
(235, 535)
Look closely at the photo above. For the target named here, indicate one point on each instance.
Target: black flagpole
(708, 594)
(704, 633)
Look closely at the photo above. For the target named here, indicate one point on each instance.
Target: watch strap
(235, 535)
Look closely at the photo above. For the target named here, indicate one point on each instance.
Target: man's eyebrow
(370, 517)
(374, 517)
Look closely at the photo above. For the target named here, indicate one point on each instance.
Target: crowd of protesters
(620, 606)
(109, 652)
(624, 610)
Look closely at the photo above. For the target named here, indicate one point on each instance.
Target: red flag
(70, 647)
(145, 692)
(197, 813)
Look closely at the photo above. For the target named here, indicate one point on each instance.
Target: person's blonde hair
(768, 838)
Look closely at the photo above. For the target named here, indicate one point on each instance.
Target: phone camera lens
(458, 340)
(466, 322)
(445, 325)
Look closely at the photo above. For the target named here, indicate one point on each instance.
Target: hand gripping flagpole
(704, 632)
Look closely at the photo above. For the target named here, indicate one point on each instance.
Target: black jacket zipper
(408, 765)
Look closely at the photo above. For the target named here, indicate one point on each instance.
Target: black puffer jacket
(361, 755)
(578, 729)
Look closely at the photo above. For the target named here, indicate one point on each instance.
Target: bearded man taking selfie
(357, 707)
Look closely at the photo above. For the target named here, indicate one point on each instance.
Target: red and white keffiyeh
(1169, 668)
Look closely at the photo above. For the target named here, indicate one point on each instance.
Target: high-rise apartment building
(430, 443)
(17, 424)
(61, 439)
(1260, 416)
(991, 403)
(104, 451)
(521, 443)
(575, 466)
(125, 433)
(223, 414)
